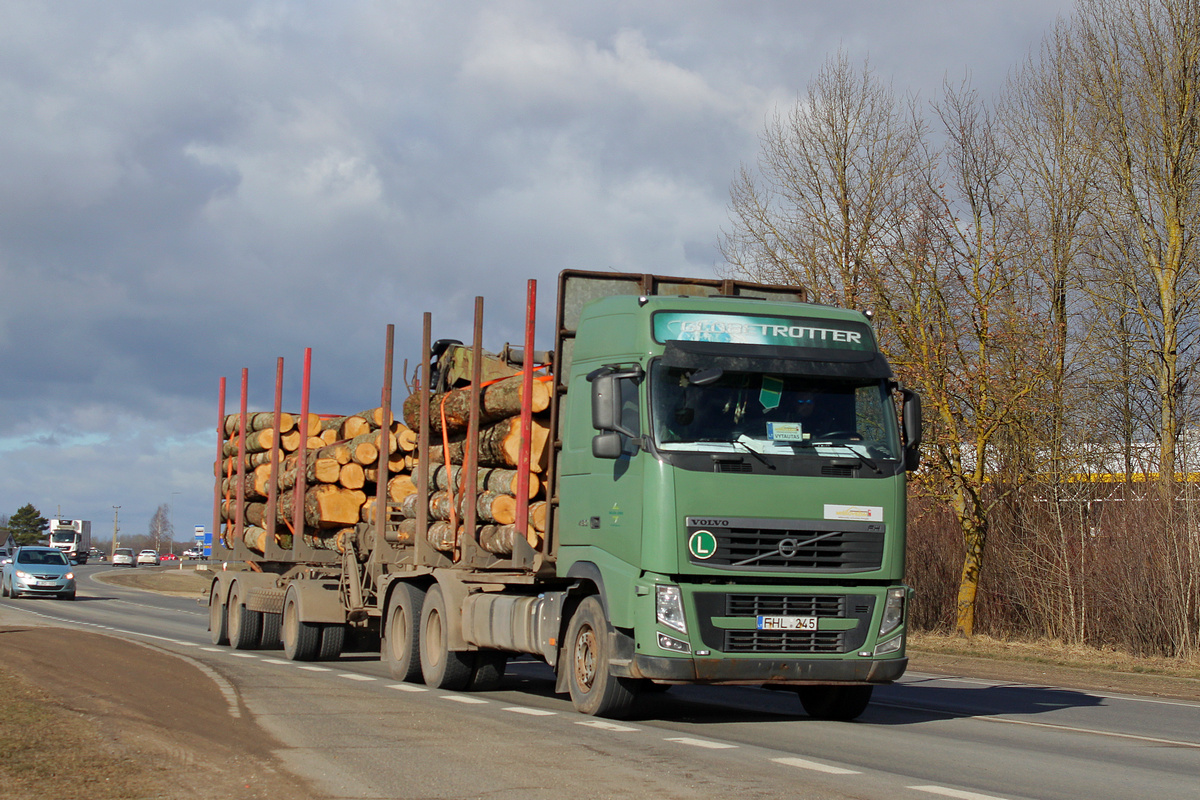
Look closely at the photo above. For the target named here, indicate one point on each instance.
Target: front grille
(728, 622)
(785, 642)
(789, 545)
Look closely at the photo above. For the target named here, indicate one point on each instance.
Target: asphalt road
(355, 733)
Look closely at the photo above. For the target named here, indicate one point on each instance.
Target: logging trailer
(722, 469)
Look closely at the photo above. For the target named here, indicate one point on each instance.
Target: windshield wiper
(862, 456)
(753, 452)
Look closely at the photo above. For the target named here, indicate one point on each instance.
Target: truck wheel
(442, 667)
(244, 626)
(840, 703)
(333, 639)
(488, 671)
(400, 646)
(271, 626)
(301, 640)
(218, 620)
(594, 690)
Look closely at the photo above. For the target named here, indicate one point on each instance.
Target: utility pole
(116, 510)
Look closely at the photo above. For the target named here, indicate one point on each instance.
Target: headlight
(669, 607)
(23, 575)
(893, 611)
(70, 576)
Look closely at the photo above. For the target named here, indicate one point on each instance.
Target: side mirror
(606, 412)
(912, 429)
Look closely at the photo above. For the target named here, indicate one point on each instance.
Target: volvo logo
(696, 522)
(788, 547)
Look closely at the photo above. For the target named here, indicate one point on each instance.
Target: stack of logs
(342, 466)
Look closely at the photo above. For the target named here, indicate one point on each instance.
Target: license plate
(47, 584)
(787, 623)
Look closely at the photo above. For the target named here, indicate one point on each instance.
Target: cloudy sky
(190, 188)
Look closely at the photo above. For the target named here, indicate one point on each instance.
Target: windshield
(46, 557)
(63, 537)
(784, 414)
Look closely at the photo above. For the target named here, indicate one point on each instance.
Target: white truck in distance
(73, 537)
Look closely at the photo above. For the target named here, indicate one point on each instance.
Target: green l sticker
(702, 545)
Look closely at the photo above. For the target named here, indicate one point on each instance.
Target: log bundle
(340, 470)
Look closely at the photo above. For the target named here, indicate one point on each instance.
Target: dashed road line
(531, 712)
(605, 726)
(354, 676)
(955, 793)
(464, 698)
(707, 744)
(804, 763)
(407, 687)
(311, 668)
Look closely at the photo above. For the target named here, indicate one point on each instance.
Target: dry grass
(1054, 653)
(50, 751)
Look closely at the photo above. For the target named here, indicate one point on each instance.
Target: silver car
(123, 555)
(38, 570)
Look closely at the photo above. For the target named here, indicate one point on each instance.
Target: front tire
(400, 646)
(443, 668)
(837, 703)
(594, 690)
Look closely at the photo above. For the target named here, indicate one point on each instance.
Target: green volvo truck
(725, 492)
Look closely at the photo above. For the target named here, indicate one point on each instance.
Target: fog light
(673, 644)
(890, 646)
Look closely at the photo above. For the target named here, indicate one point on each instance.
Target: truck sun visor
(773, 359)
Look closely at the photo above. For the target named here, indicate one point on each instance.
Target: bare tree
(161, 529)
(1138, 63)
(830, 180)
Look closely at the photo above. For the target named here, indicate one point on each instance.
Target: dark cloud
(192, 188)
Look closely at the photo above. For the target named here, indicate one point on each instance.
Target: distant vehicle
(124, 555)
(38, 570)
(169, 557)
(193, 553)
(147, 557)
(96, 554)
(73, 537)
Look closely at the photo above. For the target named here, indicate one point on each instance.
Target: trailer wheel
(443, 668)
(218, 620)
(272, 624)
(244, 626)
(301, 640)
(400, 646)
(333, 639)
(594, 690)
(488, 671)
(840, 703)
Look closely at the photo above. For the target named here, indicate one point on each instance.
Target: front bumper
(763, 670)
(43, 586)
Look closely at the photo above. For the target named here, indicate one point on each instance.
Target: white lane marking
(605, 726)
(275, 661)
(317, 669)
(957, 793)
(804, 763)
(407, 687)
(1093, 731)
(213, 649)
(705, 743)
(243, 655)
(354, 676)
(532, 712)
(927, 678)
(461, 698)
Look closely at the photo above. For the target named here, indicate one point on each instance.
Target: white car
(123, 555)
(147, 557)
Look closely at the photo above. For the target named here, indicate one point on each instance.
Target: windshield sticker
(738, 329)
(771, 392)
(854, 513)
(785, 432)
